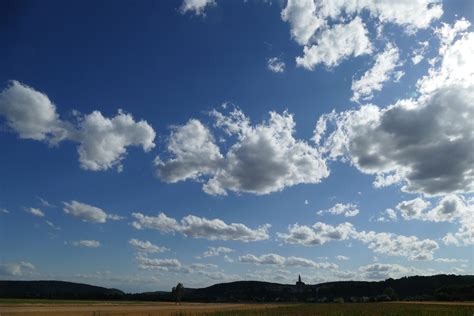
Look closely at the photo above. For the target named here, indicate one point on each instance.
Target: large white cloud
(425, 144)
(412, 208)
(301, 14)
(102, 141)
(374, 78)
(264, 158)
(274, 259)
(200, 227)
(88, 213)
(383, 271)
(30, 113)
(398, 245)
(336, 44)
(322, 22)
(195, 152)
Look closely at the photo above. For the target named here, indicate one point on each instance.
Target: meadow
(96, 308)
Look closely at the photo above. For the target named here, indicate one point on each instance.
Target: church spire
(299, 278)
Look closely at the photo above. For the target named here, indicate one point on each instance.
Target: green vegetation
(360, 309)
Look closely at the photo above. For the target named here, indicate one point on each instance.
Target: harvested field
(58, 308)
(94, 308)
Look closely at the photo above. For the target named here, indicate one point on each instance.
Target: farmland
(60, 308)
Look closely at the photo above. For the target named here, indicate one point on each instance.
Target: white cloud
(86, 243)
(200, 227)
(318, 234)
(447, 33)
(342, 258)
(411, 142)
(88, 213)
(216, 251)
(195, 153)
(450, 260)
(301, 14)
(4, 211)
(387, 216)
(158, 264)
(196, 6)
(16, 269)
(274, 259)
(374, 78)
(102, 141)
(276, 65)
(264, 159)
(35, 211)
(383, 271)
(30, 113)
(412, 208)
(385, 243)
(465, 234)
(348, 210)
(398, 245)
(146, 246)
(336, 44)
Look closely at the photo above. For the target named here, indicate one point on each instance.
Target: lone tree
(177, 292)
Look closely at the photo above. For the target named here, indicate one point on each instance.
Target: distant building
(299, 282)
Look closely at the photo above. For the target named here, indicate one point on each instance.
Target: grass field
(97, 308)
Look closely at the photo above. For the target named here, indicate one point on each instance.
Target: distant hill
(437, 287)
(56, 290)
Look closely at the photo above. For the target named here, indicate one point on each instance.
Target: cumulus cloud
(342, 258)
(146, 246)
(88, 213)
(398, 245)
(274, 259)
(418, 53)
(16, 269)
(388, 215)
(102, 141)
(412, 208)
(195, 152)
(265, 158)
(200, 227)
(30, 113)
(35, 211)
(336, 44)
(275, 64)
(385, 243)
(348, 210)
(146, 263)
(196, 6)
(412, 142)
(450, 260)
(464, 236)
(318, 234)
(216, 251)
(374, 78)
(301, 15)
(383, 271)
(86, 243)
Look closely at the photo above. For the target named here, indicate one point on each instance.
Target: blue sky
(153, 142)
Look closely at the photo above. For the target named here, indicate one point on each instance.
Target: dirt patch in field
(158, 309)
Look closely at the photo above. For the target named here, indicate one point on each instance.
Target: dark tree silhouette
(177, 292)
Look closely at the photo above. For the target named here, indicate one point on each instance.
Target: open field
(96, 308)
